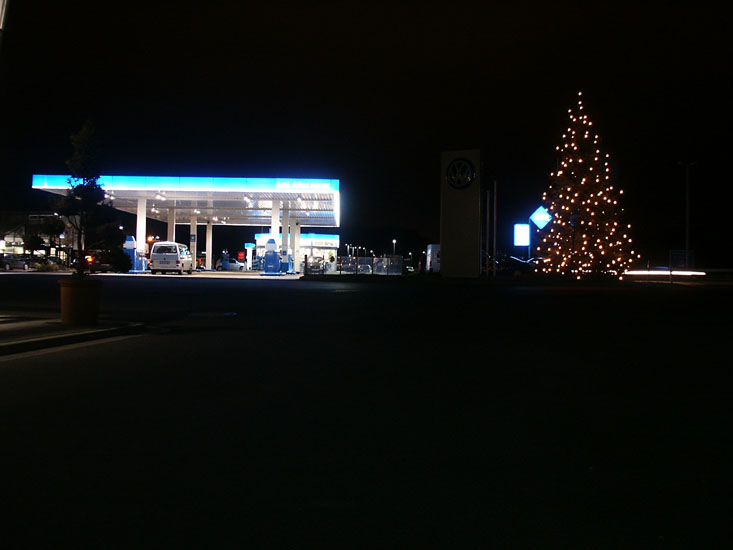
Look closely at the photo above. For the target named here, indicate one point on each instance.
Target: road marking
(54, 349)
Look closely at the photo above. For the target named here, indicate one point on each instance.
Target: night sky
(371, 93)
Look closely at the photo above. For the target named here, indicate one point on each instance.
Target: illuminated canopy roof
(230, 201)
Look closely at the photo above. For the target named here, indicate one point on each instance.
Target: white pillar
(209, 244)
(292, 221)
(140, 235)
(275, 227)
(286, 227)
(296, 245)
(192, 239)
(171, 224)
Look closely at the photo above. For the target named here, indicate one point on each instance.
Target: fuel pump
(272, 258)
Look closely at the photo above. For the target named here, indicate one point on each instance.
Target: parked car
(50, 263)
(103, 261)
(20, 261)
(98, 262)
(512, 265)
(170, 256)
(234, 265)
(5, 262)
(345, 265)
(316, 266)
(52, 260)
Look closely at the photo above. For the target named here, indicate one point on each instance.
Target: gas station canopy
(223, 201)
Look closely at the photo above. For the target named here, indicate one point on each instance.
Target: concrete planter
(80, 300)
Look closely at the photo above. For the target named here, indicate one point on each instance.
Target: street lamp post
(687, 213)
(394, 243)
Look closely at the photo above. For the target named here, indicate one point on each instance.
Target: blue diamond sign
(541, 217)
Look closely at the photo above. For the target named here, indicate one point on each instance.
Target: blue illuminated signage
(521, 234)
(541, 217)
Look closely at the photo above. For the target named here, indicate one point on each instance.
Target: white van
(170, 256)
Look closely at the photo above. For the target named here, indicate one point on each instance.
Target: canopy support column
(275, 227)
(192, 238)
(296, 244)
(286, 228)
(140, 236)
(209, 244)
(171, 224)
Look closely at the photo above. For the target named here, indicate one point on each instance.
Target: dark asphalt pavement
(270, 414)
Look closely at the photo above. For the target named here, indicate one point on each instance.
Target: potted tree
(80, 295)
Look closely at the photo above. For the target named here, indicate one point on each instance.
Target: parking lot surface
(290, 413)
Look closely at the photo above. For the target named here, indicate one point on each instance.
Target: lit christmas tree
(586, 235)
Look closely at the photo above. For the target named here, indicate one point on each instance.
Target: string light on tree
(586, 235)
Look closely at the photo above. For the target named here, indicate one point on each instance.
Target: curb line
(33, 344)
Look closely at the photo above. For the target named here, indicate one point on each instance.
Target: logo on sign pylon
(460, 173)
